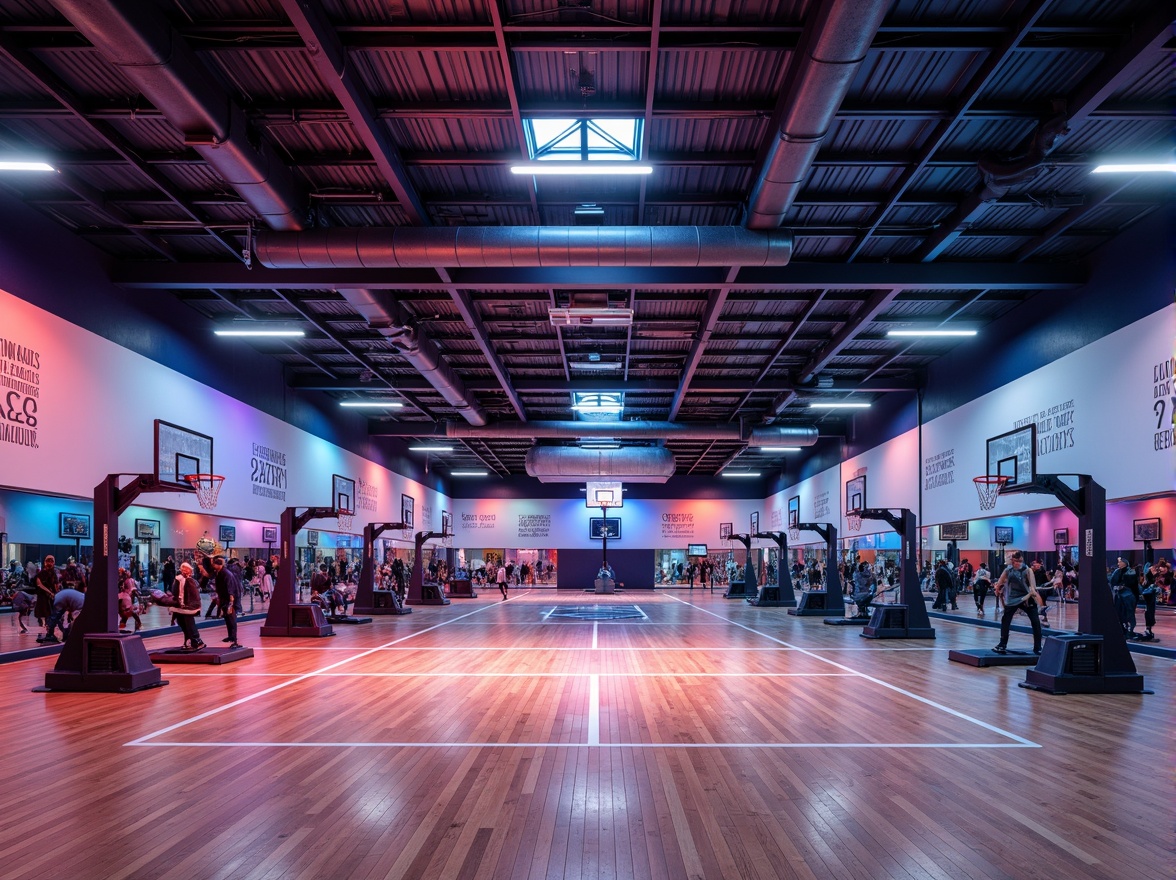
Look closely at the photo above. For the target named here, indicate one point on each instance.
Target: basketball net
(989, 487)
(853, 521)
(793, 534)
(207, 487)
(346, 520)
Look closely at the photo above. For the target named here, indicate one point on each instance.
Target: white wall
(75, 407)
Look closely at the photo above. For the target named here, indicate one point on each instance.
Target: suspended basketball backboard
(180, 453)
(604, 494)
(1014, 455)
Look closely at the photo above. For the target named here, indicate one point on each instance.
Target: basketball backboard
(1014, 455)
(604, 494)
(855, 493)
(793, 511)
(343, 494)
(178, 453)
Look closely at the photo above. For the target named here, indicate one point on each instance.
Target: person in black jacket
(1125, 585)
(943, 585)
(228, 596)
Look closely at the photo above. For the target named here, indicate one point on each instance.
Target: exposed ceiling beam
(714, 309)
(1119, 67)
(329, 58)
(979, 81)
(795, 276)
(68, 99)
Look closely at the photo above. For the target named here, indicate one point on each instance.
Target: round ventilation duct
(571, 464)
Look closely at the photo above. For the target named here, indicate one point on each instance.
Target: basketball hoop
(793, 534)
(346, 520)
(853, 520)
(989, 487)
(207, 488)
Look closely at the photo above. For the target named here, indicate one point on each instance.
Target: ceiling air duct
(571, 464)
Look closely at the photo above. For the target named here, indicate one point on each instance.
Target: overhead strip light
(259, 332)
(591, 317)
(839, 405)
(371, 404)
(778, 448)
(1137, 168)
(741, 473)
(14, 165)
(601, 408)
(599, 445)
(931, 333)
(430, 449)
(608, 169)
(467, 473)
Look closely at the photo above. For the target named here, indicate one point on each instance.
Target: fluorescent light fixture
(13, 165)
(591, 317)
(583, 168)
(741, 473)
(589, 211)
(839, 405)
(467, 473)
(931, 333)
(430, 449)
(259, 332)
(778, 448)
(600, 445)
(371, 404)
(1137, 168)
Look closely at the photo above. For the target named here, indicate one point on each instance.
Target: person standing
(1019, 591)
(228, 596)
(127, 601)
(47, 585)
(168, 575)
(500, 579)
(942, 586)
(980, 587)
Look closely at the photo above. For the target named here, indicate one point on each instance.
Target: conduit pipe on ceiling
(520, 246)
(136, 37)
(764, 435)
(834, 46)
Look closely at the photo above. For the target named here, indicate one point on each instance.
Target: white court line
(571, 745)
(270, 690)
(522, 674)
(594, 710)
(989, 727)
(596, 632)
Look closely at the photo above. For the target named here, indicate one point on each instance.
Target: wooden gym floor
(705, 738)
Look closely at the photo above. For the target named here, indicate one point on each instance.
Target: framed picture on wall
(147, 529)
(1002, 535)
(269, 534)
(406, 510)
(312, 537)
(75, 526)
(1147, 529)
(725, 530)
(598, 525)
(1061, 537)
(226, 534)
(953, 531)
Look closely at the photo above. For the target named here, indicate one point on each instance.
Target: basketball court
(563, 734)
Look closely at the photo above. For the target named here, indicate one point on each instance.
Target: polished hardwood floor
(704, 738)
